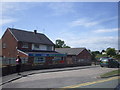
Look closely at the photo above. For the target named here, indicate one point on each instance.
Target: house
(32, 47)
(118, 52)
(76, 55)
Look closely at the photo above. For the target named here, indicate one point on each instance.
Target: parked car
(109, 62)
(103, 58)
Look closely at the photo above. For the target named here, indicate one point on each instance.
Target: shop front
(46, 58)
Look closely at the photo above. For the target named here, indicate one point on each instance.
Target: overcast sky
(93, 25)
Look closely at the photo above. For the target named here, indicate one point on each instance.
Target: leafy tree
(111, 51)
(66, 46)
(96, 52)
(103, 51)
(117, 57)
(93, 56)
(60, 44)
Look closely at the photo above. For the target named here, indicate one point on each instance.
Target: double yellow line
(90, 83)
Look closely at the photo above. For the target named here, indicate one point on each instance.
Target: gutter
(22, 52)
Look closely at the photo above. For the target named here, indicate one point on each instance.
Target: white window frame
(43, 47)
(38, 47)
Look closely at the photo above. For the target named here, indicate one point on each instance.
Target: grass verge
(112, 73)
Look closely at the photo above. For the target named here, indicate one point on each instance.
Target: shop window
(57, 60)
(39, 60)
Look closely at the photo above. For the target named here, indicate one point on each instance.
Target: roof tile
(27, 36)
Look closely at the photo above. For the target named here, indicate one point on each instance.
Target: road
(111, 82)
(59, 79)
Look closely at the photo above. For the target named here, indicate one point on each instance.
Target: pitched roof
(70, 51)
(27, 36)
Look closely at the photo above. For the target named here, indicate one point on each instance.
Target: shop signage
(47, 55)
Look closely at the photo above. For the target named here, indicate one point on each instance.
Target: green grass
(112, 73)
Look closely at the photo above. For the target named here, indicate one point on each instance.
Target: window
(39, 47)
(49, 48)
(36, 46)
(39, 60)
(43, 47)
(24, 45)
(4, 45)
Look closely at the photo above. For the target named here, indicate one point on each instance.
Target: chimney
(35, 31)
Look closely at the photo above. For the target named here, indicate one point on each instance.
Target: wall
(0, 47)
(20, 44)
(69, 60)
(84, 55)
(11, 44)
(42, 47)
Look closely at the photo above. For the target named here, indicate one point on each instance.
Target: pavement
(12, 77)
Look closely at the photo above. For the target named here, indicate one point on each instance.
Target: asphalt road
(111, 82)
(103, 84)
(59, 79)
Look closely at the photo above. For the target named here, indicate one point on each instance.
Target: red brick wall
(20, 44)
(84, 55)
(11, 44)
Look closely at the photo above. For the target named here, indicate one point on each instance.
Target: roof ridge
(24, 30)
(29, 36)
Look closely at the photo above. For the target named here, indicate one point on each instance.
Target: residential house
(35, 47)
(118, 52)
(76, 55)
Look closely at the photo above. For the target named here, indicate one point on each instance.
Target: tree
(117, 57)
(60, 44)
(103, 51)
(111, 51)
(96, 52)
(93, 56)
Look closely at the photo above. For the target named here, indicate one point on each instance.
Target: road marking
(90, 83)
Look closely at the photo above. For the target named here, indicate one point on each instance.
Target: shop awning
(43, 53)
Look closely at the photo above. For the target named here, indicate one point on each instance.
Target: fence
(11, 61)
(8, 65)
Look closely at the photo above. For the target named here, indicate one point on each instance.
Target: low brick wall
(12, 69)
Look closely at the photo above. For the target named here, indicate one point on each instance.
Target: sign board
(47, 55)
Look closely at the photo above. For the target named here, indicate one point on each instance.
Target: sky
(93, 25)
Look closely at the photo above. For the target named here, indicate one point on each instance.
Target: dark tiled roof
(27, 36)
(69, 51)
